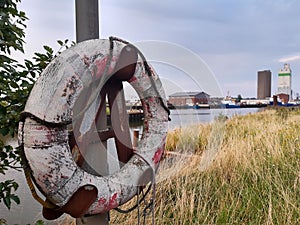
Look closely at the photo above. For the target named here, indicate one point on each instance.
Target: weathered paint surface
(56, 91)
(53, 99)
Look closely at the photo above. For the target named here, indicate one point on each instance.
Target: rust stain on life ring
(110, 204)
(157, 155)
(47, 144)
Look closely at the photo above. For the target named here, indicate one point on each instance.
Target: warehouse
(187, 99)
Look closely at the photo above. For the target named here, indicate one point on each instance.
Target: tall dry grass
(244, 170)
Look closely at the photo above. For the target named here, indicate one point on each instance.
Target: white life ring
(43, 130)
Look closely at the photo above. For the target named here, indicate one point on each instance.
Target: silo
(285, 81)
(264, 84)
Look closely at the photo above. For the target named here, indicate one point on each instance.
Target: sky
(230, 39)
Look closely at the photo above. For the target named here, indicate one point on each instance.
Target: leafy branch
(16, 82)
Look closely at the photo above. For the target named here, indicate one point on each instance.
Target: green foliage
(5, 192)
(16, 82)
(9, 158)
(39, 222)
(11, 37)
(11, 26)
(239, 98)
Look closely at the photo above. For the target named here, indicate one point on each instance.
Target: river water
(29, 211)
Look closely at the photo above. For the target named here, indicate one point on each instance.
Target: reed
(243, 170)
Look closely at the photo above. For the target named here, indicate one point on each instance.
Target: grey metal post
(87, 27)
(87, 20)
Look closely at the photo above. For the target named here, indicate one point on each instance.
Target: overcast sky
(233, 38)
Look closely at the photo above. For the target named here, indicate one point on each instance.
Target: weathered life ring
(49, 114)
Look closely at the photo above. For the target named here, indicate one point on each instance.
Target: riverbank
(244, 170)
(239, 169)
(21, 214)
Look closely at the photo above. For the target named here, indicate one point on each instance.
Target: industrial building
(182, 99)
(285, 81)
(264, 84)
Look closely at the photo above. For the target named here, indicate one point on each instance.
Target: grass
(243, 170)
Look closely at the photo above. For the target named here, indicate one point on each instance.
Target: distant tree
(16, 82)
(239, 98)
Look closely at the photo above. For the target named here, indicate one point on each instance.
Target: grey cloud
(265, 31)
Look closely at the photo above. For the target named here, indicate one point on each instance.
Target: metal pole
(87, 20)
(87, 27)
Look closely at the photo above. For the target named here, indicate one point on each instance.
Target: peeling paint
(112, 202)
(157, 156)
(46, 140)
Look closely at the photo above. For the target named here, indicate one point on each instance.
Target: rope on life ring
(68, 95)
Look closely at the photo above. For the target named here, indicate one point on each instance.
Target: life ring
(49, 114)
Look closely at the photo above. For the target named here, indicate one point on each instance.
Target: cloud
(236, 38)
(289, 58)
